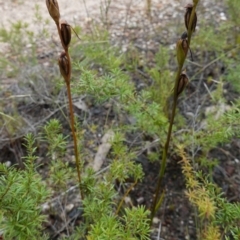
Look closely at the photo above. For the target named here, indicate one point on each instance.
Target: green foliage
(163, 77)
(101, 197)
(221, 130)
(228, 216)
(208, 40)
(123, 165)
(21, 194)
(114, 84)
(107, 227)
(14, 37)
(149, 114)
(60, 172)
(21, 45)
(233, 77)
(57, 142)
(233, 9)
(137, 223)
(215, 213)
(97, 51)
(134, 225)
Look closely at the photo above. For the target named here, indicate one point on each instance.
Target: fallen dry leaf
(103, 150)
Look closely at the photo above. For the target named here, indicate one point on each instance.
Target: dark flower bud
(65, 33)
(187, 16)
(53, 9)
(182, 82)
(184, 39)
(182, 48)
(64, 66)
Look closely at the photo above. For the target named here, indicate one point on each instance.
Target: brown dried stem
(124, 196)
(72, 123)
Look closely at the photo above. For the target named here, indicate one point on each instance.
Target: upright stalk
(177, 90)
(72, 124)
(64, 61)
(165, 151)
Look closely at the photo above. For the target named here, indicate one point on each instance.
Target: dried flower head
(53, 9)
(65, 33)
(182, 82)
(187, 16)
(64, 66)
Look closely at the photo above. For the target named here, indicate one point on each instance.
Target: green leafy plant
(217, 217)
(21, 195)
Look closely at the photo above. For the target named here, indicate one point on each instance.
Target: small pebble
(69, 207)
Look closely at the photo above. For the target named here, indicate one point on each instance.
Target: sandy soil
(15, 10)
(121, 13)
(77, 12)
(12, 11)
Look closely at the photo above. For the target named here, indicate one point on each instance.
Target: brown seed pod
(53, 9)
(187, 16)
(182, 82)
(65, 33)
(64, 66)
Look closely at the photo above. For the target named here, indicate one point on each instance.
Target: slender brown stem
(6, 191)
(67, 77)
(72, 123)
(126, 193)
(149, 6)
